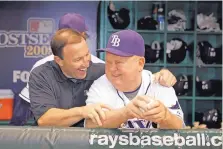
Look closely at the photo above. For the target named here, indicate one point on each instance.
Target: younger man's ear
(58, 60)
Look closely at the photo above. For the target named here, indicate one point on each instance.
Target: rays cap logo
(115, 40)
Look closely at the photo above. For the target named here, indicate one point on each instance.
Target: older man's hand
(136, 107)
(165, 78)
(156, 111)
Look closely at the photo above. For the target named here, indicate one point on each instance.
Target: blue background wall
(14, 16)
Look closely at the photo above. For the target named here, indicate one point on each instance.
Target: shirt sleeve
(41, 96)
(170, 100)
(24, 94)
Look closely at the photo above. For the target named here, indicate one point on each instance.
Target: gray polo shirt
(50, 88)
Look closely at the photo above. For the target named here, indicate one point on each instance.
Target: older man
(136, 100)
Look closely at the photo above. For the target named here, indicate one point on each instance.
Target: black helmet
(212, 118)
(205, 87)
(183, 85)
(178, 53)
(207, 52)
(147, 23)
(118, 19)
(153, 52)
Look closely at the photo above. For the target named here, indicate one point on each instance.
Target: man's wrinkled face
(122, 71)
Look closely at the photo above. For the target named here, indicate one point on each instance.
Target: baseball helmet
(118, 19)
(178, 53)
(205, 87)
(207, 52)
(152, 53)
(147, 23)
(173, 19)
(212, 118)
(183, 85)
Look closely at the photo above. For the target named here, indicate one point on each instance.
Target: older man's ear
(141, 63)
(165, 78)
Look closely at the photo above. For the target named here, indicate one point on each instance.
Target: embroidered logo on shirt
(85, 92)
(176, 106)
(137, 123)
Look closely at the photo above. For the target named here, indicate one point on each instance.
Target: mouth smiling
(116, 76)
(83, 70)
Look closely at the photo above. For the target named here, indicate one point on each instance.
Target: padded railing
(81, 138)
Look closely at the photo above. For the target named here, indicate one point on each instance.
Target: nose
(112, 67)
(86, 61)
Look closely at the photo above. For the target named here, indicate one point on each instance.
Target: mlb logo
(40, 25)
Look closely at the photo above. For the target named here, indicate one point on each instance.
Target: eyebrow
(77, 58)
(81, 56)
(119, 61)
